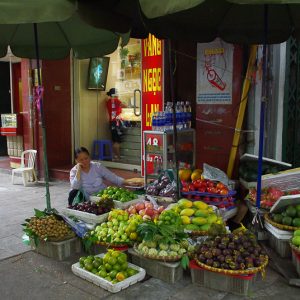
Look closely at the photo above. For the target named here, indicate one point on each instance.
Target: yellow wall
(89, 101)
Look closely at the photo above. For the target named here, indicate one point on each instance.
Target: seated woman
(88, 176)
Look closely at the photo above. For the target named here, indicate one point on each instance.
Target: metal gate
(291, 107)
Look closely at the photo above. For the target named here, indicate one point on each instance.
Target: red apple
(160, 209)
(148, 205)
(139, 206)
(142, 212)
(149, 211)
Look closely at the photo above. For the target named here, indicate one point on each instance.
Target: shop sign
(154, 150)
(152, 83)
(214, 72)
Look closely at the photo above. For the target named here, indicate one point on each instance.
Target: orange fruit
(185, 174)
(120, 276)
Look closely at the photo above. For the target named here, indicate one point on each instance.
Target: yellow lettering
(149, 80)
(158, 79)
(154, 46)
(145, 81)
(154, 77)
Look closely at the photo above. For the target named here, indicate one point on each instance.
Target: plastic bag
(78, 198)
(216, 174)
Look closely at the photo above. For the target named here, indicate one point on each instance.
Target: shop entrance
(4, 100)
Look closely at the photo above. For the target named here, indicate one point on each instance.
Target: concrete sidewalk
(27, 275)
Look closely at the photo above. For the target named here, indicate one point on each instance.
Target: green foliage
(185, 261)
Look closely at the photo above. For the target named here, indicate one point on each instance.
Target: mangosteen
(224, 266)
(216, 264)
(208, 254)
(228, 259)
(240, 248)
(231, 245)
(236, 252)
(203, 249)
(249, 260)
(245, 254)
(230, 236)
(250, 249)
(242, 266)
(225, 240)
(209, 262)
(222, 246)
(202, 258)
(216, 251)
(257, 262)
(218, 239)
(246, 244)
(249, 265)
(221, 258)
(226, 252)
(233, 266)
(256, 252)
(240, 259)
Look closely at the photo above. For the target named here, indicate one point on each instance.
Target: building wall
(57, 108)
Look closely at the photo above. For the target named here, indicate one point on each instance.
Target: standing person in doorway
(114, 108)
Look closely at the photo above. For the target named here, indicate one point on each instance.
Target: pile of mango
(197, 215)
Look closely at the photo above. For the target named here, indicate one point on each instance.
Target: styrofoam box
(58, 250)
(119, 204)
(105, 284)
(166, 271)
(279, 240)
(84, 216)
(222, 282)
(296, 261)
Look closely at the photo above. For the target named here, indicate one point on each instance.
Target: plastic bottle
(154, 121)
(169, 116)
(183, 115)
(188, 110)
(178, 116)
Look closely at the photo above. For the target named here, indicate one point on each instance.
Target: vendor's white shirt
(92, 181)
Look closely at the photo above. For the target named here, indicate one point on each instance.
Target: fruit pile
(196, 216)
(120, 229)
(169, 217)
(296, 239)
(145, 209)
(239, 251)
(290, 216)
(48, 228)
(113, 267)
(205, 186)
(99, 207)
(155, 249)
(163, 187)
(117, 193)
(160, 240)
(210, 192)
(189, 175)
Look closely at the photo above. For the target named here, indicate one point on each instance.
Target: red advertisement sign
(152, 83)
(153, 152)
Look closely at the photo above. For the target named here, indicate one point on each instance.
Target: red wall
(57, 107)
(27, 130)
(214, 142)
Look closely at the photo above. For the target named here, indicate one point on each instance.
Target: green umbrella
(50, 30)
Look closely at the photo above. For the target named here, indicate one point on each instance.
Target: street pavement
(27, 275)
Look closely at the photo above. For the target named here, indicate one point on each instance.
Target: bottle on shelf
(188, 110)
(178, 115)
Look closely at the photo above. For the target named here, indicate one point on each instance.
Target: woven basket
(295, 248)
(160, 258)
(198, 232)
(107, 245)
(279, 226)
(235, 272)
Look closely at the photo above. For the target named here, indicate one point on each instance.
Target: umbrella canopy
(235, 21)
(49, 29)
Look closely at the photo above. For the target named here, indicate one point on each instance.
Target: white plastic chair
(27, 170)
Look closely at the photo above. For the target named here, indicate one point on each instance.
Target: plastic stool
(99, 149)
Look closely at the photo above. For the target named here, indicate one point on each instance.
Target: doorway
(4, 100)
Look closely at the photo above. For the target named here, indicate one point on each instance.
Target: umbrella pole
(262, 108)
(36, 43)
(174, 117)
